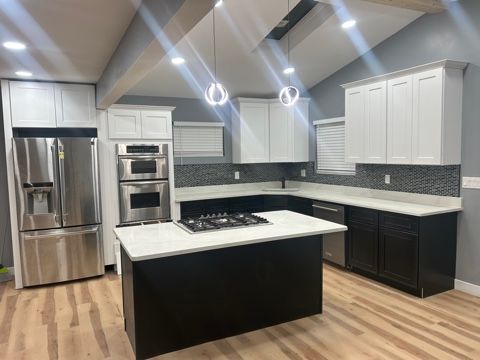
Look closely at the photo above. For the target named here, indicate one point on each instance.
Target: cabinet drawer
(363, 216)
(399, 222)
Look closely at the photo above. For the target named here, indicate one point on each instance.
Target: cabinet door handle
(324, 208)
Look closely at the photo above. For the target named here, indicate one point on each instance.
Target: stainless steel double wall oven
(143, 182)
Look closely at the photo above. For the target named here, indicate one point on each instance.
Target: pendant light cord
(214, 48)
(288, 42)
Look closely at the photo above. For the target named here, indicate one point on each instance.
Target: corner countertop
(391, 201)
(146, 242)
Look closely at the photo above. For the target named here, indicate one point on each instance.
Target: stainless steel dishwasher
(333, 244)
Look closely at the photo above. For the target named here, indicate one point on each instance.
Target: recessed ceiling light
(349, 24)
(178, 61)
(14, 45)
(289, 70)
(218, 3)
(23, 73)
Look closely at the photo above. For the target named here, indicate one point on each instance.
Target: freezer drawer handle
(83, 232)
(324, 208)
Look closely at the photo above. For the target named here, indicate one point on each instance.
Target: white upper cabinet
(250, 132)
(281, 128)
(354, 124)
(412, 116)
(75, 105)
(375, 123)
(399, 120)
(124, 124)
(427, 117)
(32, 104)
(266, 131)
(140, 122)
(38, 104)
(156, 124)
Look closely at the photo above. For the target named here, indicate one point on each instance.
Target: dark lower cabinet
(398, 257)
(363, 247)
(275, 202)
(300, 205)
(227, 205)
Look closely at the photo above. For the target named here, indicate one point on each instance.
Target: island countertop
(147, 242)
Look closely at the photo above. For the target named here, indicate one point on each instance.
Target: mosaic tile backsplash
(432, 180)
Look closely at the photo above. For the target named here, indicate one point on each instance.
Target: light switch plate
(471, 182)
(237, 175)
(303, 173)
(387, 179)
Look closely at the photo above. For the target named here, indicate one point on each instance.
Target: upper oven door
(142, 167)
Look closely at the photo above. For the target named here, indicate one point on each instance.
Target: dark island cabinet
(413, 254)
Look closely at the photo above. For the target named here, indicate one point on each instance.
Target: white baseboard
(468, 288)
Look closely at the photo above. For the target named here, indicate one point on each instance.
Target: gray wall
(5, 235)
(192, 110)
(454, 35)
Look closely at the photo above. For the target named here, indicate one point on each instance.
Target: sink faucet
(283, 182)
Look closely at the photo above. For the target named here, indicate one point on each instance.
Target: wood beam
(426, 6)
(156, 28)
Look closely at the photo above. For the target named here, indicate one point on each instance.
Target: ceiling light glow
(349, 24)
(14, 45)
(23, 73)
(178, 61)
(289, 70)
(218, 3)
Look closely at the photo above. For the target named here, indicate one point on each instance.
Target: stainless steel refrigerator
(58, 209)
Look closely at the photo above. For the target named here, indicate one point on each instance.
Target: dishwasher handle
(324, 208)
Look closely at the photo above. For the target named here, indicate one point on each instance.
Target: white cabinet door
(124, 124)
(75, 105)
(281, 133)
(255, 140)
(301, 132)
(156, 124)
(427, 117)
(375, 150)
(32, 104)
(354, 124)
(399, 120)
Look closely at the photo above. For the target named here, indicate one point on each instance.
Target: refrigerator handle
(57, 216)
(96, 182)
(61, 164)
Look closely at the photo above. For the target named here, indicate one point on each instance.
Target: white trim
(141, 107)
(451, 64)
(329, 121)
(199, 124)
(7, 125)
(468, 288)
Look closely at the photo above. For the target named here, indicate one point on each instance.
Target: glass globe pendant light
(215, 93)
(289, 94)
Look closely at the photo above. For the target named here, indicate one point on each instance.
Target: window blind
(192, 139)
(330, 138)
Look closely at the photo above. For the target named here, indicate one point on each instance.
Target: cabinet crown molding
(142, 107)
(446, 64)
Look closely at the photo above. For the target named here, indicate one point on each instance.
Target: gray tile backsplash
(432, 180)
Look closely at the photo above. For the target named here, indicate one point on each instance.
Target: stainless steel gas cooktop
(223, 221)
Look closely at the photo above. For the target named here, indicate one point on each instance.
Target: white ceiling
(67, 40)
(248, 66)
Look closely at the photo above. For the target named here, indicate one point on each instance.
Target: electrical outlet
(303, 173)
(471, 182)
(237, 175)
(387, 179)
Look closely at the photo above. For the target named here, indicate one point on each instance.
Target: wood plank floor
(361, 320)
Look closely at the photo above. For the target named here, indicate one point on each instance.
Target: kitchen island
(182, 289)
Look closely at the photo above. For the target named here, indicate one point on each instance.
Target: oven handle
(142, 157)
(150, 182)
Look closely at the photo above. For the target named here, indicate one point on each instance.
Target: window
(198, 139)
(330, 137)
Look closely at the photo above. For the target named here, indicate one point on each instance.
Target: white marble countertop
(392, 201)
(146, 242)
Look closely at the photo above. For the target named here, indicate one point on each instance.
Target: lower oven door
(144, 200)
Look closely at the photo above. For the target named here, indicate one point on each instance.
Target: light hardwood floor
(361, 320)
